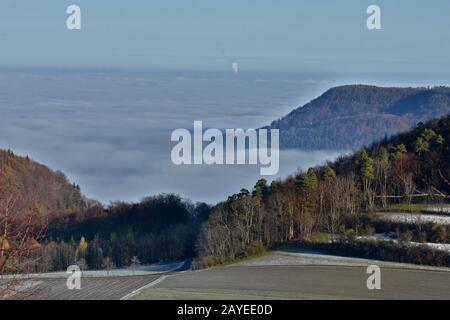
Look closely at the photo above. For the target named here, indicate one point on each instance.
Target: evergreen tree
(328, 174)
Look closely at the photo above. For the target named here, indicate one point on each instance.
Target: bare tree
(108, 264)
(409, 187)
(82, 264)
(342, 201)
(135, 263)
(22, 226)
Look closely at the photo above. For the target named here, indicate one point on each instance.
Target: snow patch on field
(443, 209)
(386, 238)
(435, 246)
(377, 237)
(298, 257)
(143, 270)
(415, 218)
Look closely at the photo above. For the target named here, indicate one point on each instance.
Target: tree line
(162, 228)
(335, 199)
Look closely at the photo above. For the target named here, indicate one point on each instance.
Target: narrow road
(94, 286)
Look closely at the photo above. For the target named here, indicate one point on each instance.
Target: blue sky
(284, 35)
(109, 131)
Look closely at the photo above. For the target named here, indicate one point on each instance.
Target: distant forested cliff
(350, 117)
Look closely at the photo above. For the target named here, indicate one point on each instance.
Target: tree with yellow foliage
(82, 248)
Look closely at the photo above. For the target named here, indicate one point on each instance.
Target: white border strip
(150, 285)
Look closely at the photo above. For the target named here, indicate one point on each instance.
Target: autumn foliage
(22, 226)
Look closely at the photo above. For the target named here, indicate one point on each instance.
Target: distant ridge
(353, 116)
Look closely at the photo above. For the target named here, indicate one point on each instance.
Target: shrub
(256, 249)
(320, 237)
(406, 236)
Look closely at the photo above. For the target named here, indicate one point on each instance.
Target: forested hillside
(337, 200)
(354, 116)
(160, 228)
(72, 229)
(36, 183)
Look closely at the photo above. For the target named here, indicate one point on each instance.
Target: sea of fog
(109, 131)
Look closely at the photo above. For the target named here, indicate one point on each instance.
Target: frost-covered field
(415, 218)
(144, 270)
(299, 274)
(298, 257)
(95, 284)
